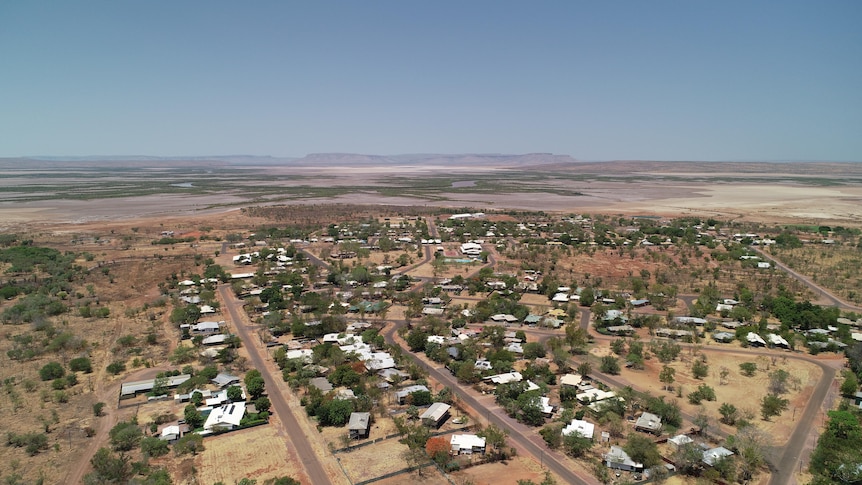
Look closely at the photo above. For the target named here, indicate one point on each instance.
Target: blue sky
(730, 80)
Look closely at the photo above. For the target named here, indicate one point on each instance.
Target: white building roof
(506, 378)
(228, 416)
(582, 427)
(466, 441)
(753, 338)
(571, 380)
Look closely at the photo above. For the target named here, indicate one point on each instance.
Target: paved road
(525, 437)
(312, 465)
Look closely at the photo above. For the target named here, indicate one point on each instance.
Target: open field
(257, 453)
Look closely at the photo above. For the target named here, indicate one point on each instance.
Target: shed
(435, 415)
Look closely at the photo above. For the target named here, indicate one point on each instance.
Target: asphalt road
(519, 433)
(312, 465)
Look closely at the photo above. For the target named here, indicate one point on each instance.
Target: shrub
(116, 367)
(51, 371)
(81, 364)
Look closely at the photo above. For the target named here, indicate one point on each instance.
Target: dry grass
(373, 460)
(257, 453)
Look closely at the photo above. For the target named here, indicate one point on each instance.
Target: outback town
(358, 344)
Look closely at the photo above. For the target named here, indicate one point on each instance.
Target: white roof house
(214, 339)
(776, 339)
(617, 458)
(466, 444)
(648, 422)
(679, 440)
(755, 339)
(581, 427)
(710, 457)
(227, 416)
(572, 380)
(591, 395)
(506, 378)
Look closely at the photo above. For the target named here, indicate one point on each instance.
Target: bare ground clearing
(257, 453)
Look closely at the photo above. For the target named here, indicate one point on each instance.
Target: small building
(171, 434)
(224, 379)
(711, 457)
(618, 459)
(402, 394)
(467, 444)
(648, 423)
(435, 415)
(359, 425)
(723, 337)
(679, 441)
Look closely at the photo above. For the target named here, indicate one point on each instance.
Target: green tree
(576, 445)
(495, 439)
(190, 443)
(192, 416)
(98, 408)
(610, 365)
(850, 384)
(748, 368)
(81, 364)
(533, 350)
(666, 376)
(109, 468)
(772, 405)
(125, 436)
(262, 404)
(728, 413)
(254, 384)
(584, 369)
(699, 369)
(51, 371)
(642, 450)
(234, 393)
(154, 447)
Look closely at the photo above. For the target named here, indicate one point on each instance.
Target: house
(571, 380)
(679, 441)
(580, 427)
(206, 328)
(777, 340)
(217, 339)
(545, 403)
(755, 340)
(710, 457)
(321, 383)
(648, 423)
(506, 378)
(359, 425)
(618, 459)
(402, 394)
(482, 364)
(723, 336)
(435, 415)
(467, 444)
(621, 329)
(227, 416)
(224, 379)
(594, 395)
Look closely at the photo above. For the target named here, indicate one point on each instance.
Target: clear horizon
(664, 81)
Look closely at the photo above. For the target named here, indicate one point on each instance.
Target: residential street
(294, 432)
